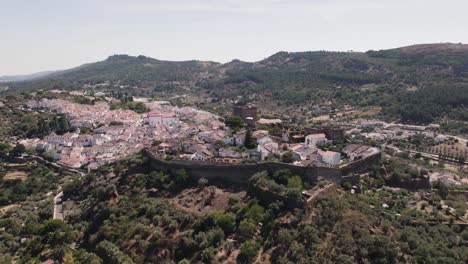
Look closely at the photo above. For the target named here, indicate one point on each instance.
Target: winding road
(58, 206)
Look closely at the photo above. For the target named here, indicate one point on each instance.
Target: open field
(15, 175)
(454, 150)
(202, 200)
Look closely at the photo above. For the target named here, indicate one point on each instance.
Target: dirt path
(8, 207)
(58, 206)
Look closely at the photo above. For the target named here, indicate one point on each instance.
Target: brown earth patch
(14, 175)
(199, 201)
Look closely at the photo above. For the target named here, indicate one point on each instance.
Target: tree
(309, 235)
(207, 255)
(287, 157)
(234, 122)
(81, 256)
(442, 190)
(295, 182)
(19, 149)
(158, 180)
(256, 212)
(156, 143)
(248, 251)
(281, 176)
(202, 182)
(246, 228)
(62, 124)
(5, 147)
(57, 232)
(219, 144)
(181, 176)
(138, 107)
(294, 195)
(226, 221)
(250, 142)
(110, 253)
(284, 237)
(441, 162)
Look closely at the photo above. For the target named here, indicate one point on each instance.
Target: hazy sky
(37, 35)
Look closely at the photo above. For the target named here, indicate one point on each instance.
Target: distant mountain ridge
(26, 77)
(282, 58)
(372, 78)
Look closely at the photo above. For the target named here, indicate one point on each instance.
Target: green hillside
(417, 84)
(127, 213)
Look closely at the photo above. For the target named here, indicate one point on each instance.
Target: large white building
(313, 139)
(65, 139)
(156, 118)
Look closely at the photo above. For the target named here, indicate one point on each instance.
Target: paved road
(58, 207)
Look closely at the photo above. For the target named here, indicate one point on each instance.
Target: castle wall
(362, 165)
(241, 173)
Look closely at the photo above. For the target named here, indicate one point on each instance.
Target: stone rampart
(241, 173)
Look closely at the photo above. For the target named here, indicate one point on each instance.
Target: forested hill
(418, 83)
(122, 69)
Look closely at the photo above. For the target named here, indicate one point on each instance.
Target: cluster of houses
(204, 148)
(182, 133)
(118, 133)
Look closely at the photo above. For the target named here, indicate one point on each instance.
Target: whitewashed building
(313, 139)
(156, 118)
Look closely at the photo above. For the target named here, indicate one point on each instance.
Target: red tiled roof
(321, 135)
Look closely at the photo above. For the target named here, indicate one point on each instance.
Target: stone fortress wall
(241, 173)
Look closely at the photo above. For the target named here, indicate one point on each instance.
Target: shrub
(248, 251)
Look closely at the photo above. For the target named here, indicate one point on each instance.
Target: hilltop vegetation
(130, 219)
(24, 124)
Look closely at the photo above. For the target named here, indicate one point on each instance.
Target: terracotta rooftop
(269, 121)
(321, 135)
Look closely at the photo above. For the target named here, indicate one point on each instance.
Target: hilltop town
(240, 174)
(75, 152)
(234, 132)
(113, 134)
(101, 133)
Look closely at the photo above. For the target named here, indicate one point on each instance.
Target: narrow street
(58, 207)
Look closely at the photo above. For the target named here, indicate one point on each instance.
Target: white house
(85, 140)
(268, 149)
(73, 163)
(314, 139)
(260, 134)
(440, 138)
(264, 140)
(65, 139)
(235, 140)
(445, 178)
(202, 155)
(157, 118)
(309, 153)
(355, 151)
(100, 139)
